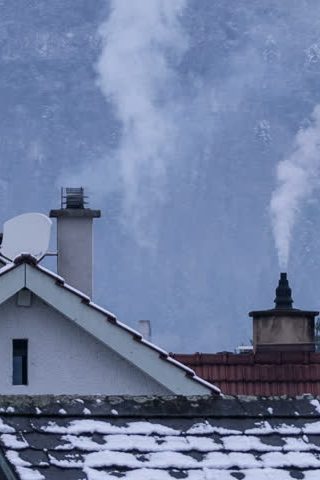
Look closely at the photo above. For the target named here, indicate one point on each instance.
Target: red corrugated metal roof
(262, 373)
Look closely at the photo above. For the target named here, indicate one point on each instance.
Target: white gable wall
(63, 358)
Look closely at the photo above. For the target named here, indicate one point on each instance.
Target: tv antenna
(27, 233)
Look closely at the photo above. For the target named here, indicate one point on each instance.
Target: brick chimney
(75, 239)
(283, 328)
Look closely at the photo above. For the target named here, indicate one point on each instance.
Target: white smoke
(297, 178)
(140, 41)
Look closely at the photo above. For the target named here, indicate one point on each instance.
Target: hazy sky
(194, 124)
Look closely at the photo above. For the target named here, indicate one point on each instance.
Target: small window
(20, 362)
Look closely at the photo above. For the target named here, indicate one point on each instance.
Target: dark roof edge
(199, 359)
(158, 406)
(279, 312)
(75, 212)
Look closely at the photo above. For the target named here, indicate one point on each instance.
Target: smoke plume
(297, 179)
(141, 42)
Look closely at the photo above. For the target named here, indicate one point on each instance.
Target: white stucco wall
(63, 358)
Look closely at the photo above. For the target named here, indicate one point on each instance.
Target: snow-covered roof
(160, 438)
(78, 308)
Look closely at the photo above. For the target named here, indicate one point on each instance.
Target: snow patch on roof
(15, 459)
(77, 427)
(5, 428)
(205, 428)
(12, 441)
(29, 474)
(315, 402)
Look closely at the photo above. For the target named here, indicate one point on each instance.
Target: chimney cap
(73, 197)
(73, 204)
(283, 303)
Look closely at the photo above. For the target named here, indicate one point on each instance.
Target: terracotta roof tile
(262, 373)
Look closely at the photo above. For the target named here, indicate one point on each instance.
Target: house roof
(260, 373)
(159, 438)
(78, 308)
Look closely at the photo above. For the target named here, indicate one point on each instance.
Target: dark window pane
(19, 362)
(17, 370)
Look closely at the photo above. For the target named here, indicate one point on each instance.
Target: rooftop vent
(73, 198)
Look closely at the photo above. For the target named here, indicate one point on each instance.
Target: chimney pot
(283, 293)
(73, 198)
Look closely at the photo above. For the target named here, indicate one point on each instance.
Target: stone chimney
(75, 239)
(283, 328)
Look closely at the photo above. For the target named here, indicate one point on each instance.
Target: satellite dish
(26, 233)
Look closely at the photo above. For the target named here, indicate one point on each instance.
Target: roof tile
(161, 438)
(262, 373)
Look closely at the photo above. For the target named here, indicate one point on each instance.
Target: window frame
(20, 347)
